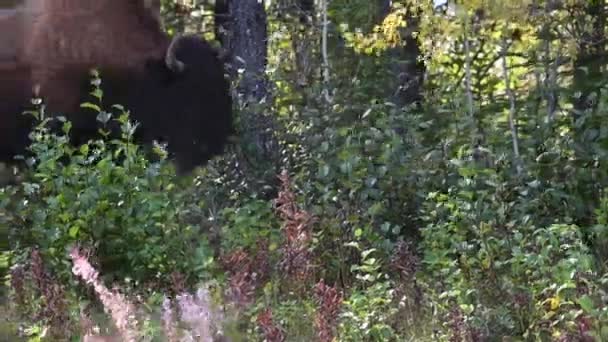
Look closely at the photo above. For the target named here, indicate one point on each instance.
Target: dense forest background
(404, 171)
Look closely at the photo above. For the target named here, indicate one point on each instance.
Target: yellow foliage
(383, 36)
(554, 303)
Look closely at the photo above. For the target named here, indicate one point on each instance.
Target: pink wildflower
(121, 310)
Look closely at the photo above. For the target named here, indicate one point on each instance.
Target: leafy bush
(508, 276)
(358, 176)
(368, 311)
(249, 224)
(104, 194)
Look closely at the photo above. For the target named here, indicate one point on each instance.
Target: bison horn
(171, 59)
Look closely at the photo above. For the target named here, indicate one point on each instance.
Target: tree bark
(246, 41)
(221, 17)
(303, 44)
(307, 10)
(589, 63)
(406, 65)
(512, 107)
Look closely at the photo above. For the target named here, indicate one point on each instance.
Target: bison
(175, 88)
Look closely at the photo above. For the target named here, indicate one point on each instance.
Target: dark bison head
(184, 100)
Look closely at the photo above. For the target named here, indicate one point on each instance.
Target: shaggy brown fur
(15, 84)
(175, 88)
(77, 35)
(10, 43)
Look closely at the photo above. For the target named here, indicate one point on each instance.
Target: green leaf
(323, 170)
(358, 232)
(586, 304)
(84, 149)
(92, 106)
(367, 252)
(467, 308)
(604, 333)
(73, 232)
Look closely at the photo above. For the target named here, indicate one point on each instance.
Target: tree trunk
(303, 44)
(589, 63)
(246, 41)
(307, 9)
(408, 69)
(221, 17)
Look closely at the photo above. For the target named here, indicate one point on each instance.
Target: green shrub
(369, 310)
(248, 224)
(105, 195)
(484, 255)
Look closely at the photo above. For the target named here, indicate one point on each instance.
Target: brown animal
(10, 21)
(174, 88)
(77, 35)
(15, 83)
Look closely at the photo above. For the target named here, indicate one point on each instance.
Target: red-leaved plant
(246, 273)
(272, 332)
(329, 301)
(296, 260)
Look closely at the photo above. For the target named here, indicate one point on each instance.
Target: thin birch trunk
(550, 79)
(468, 86)
(325, 56)
(512, 107)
